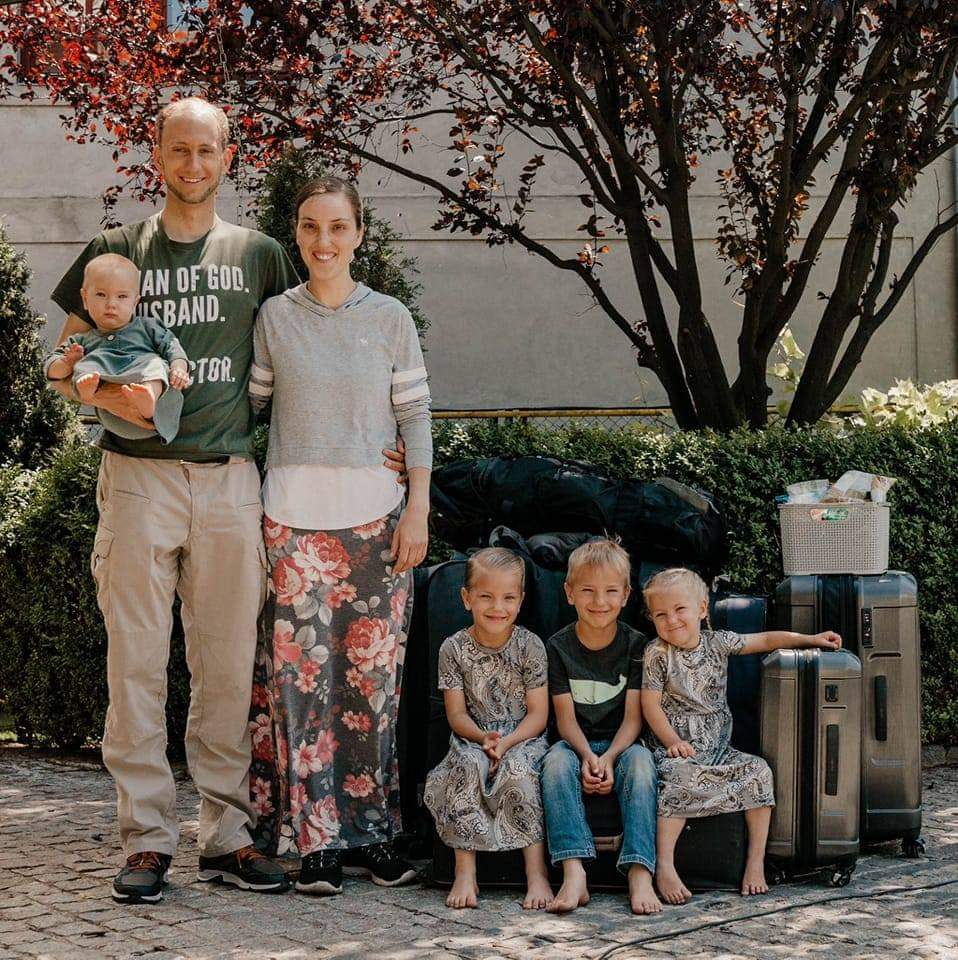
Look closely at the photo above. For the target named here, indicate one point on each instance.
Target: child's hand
(606, 772)
(827, 639)
(73, 354)
(496, 754)
(591, 774)
(179, 375)
(681, 749)
(489, 742)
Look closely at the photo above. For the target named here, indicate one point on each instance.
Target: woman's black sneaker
(379, 862)
(142, 878)
(321, 873)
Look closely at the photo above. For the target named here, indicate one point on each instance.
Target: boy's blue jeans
(566, 825)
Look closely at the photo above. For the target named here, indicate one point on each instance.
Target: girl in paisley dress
(484, 795)
(684, 704)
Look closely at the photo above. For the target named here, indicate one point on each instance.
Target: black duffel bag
(662, 521)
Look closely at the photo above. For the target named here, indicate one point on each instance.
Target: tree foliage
(379, 262)
(849, 98)
(33, 419)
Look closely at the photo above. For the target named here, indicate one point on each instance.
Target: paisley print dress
(473, 810)
(719, 778)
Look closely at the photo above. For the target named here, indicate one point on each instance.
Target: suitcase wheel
(838, 878)
(775, 876)
(913, 847)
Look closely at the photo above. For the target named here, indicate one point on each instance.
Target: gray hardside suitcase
(811, 714)
(877, 617)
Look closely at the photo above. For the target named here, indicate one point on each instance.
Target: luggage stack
(877, 618)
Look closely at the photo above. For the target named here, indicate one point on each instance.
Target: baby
(134, 351)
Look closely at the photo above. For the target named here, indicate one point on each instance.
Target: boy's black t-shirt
(597, 679)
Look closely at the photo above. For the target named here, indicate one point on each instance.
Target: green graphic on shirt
(595, 691)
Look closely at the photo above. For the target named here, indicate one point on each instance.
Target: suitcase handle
(881, 708)
(831, 760)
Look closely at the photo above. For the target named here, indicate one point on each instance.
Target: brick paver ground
(58, 851)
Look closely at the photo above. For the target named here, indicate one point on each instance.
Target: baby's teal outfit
(140, 351)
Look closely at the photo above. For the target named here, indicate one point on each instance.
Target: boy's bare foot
(670, 884)
(753, 881)
(538, 893)
(142, 398)
(573, 892)
(641, 893)
(464, 892)
(87, 385)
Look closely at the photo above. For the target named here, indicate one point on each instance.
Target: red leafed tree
(632, 94)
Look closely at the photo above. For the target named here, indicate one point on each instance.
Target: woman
(344, 369)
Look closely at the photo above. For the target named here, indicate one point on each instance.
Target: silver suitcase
(877, 617)
(811, 715)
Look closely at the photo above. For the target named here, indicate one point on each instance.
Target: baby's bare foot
(87, 385)
(670, 885)
(641, 893)
(573, 893)
(538, 893)
(753, 882)
(142, 398)
(464, 892)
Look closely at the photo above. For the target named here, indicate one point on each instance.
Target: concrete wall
(507, 329)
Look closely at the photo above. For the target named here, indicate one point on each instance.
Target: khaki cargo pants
(192, 528)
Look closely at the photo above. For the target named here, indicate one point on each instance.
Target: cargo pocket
(101, 551)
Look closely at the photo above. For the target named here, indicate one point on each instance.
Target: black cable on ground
(674, 935)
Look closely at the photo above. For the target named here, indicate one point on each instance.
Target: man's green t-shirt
(207, 293)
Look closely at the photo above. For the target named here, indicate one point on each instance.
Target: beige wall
(507, 329)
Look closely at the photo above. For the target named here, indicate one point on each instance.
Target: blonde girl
(685, 706)
(484, 795)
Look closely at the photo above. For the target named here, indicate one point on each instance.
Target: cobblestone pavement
(58, 851)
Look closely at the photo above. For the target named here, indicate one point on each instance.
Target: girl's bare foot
(87, 385)
(464, 892)
(641, 893)
(753, 881)
(142, 398)
(538, 893)
(573, 892)
(670, 884)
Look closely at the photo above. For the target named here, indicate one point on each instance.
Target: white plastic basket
(834, 537)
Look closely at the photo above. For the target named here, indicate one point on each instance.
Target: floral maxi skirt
(326, 686)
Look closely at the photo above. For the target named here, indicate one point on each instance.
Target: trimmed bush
(52, 643)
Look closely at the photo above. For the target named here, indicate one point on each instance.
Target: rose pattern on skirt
(326, 689)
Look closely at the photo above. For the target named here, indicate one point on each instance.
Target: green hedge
(52, 643)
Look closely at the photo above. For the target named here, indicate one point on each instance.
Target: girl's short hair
(676, 577)
(320, 185)
(599, 553)
(494, 558)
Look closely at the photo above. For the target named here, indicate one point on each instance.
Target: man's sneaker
(245, 868)
(379, 862)
(321, 873)
(142, 878)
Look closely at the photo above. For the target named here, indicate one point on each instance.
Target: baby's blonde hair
(494, 558)
(599, 553)
(676, 577)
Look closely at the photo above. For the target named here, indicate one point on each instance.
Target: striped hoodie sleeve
(410, 396)
(261, 373)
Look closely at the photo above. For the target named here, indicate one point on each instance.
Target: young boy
(595, 678)
(135, 351)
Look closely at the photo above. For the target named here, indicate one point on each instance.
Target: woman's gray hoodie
(342, 382)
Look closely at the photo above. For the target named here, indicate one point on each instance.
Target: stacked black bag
(663, 521)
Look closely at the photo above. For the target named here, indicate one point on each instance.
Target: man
(185, 517)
